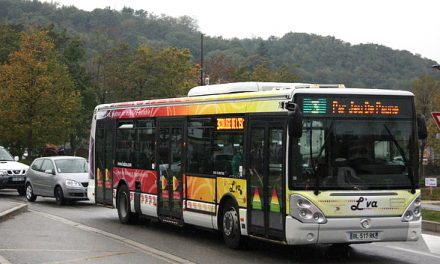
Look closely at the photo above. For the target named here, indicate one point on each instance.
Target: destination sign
(230, 123)
(373, 107)
(356, 106)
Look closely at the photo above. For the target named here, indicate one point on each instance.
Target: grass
(428, 196)
(431, 215)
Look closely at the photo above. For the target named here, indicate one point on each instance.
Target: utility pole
(202, 79)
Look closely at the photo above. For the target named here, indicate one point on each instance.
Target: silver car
(62, 177)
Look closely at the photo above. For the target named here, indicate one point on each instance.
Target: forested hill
(310, 58)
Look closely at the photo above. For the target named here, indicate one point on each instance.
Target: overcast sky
(412, 25)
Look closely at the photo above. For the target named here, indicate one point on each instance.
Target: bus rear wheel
(123, 206)
(231, 225)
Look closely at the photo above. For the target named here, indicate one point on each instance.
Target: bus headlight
(305, 211)
(413, 212)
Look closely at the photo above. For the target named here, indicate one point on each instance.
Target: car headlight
(3, 172)
(305, 211)
(72, 183)
(414, 211)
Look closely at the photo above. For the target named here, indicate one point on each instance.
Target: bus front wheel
(231, 225)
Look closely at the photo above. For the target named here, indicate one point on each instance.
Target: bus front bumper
(349, 230)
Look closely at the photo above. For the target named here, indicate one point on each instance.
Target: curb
(431, 226)
(13, 211)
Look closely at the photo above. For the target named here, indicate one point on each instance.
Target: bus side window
(228, 153)
(199, 157)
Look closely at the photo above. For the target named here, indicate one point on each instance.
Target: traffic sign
(436, 116)
(430, 182)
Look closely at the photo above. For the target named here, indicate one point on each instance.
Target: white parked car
(12, 173)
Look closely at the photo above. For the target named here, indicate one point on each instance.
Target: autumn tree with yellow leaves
(39, 103)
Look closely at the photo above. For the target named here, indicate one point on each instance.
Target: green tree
(39, 101)
(9, 41)
(117, 82)
(427, 100)
(220, 69)
(73, 55)
(262, 73)
(173, 73)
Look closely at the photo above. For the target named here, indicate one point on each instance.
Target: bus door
(266, 172)
(104, 161)
(169, 168)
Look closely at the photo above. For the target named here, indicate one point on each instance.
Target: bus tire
(230, 227)
(123, 206)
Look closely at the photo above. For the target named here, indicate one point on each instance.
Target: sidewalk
(8, 208)
(431, 205)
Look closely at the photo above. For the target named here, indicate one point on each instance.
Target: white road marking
(415, 251)
(82, 260)
(4, 261)
(433, 243)
(133, 244)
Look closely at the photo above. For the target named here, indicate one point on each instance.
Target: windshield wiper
(315, 161)
(405, 160)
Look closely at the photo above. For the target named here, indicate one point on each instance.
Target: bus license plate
(364, 235)
(18, 179)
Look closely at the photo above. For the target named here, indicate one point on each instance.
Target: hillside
(312, 58)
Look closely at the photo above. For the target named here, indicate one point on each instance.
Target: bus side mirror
(421, 127)
(294, 120)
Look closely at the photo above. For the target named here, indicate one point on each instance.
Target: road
(85, 233)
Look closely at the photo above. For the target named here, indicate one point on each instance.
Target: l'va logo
(363, 203)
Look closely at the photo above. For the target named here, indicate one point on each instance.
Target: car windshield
(5, 156)
(71, 165)
(354, 154)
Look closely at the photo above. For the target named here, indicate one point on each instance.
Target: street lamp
(436, 66)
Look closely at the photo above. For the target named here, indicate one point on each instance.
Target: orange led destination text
(230, 123)
(365, 108)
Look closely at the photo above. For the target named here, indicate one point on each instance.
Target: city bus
(291, 163)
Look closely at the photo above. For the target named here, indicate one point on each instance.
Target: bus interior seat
(345, 176)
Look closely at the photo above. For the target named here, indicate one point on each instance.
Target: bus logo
(363, 203)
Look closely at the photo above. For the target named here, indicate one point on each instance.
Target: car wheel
(59, 196)
(231, 225)
(21, 191)
(30, 196)
(123, 206)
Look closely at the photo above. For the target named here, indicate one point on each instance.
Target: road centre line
(62, 250)
(170, 258)
(81, 260)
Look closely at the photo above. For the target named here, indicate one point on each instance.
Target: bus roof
(244, 91)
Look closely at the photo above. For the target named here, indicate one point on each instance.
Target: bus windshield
(353, 154)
